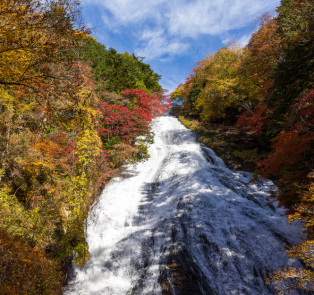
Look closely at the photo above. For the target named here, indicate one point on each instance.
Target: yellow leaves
(82, 34)
(5, 97)
(178, 93)
(228, 80)
(81, 254)
(294, 217)
(15, 61)
(296, 278)
(88, 145)
(48, 143)
(32, 53)
(292, 278)
(22, 108)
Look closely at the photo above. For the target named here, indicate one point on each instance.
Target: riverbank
(239, 149)
(182, 223)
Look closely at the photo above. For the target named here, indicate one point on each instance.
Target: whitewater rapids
(183, 223)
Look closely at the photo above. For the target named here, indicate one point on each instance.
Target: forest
(267, 89)
(72, 112)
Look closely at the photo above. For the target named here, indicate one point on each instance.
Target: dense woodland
(72, 112)
(267, 88)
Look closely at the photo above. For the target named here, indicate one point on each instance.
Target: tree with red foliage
(291, 159)
(255, 122)
(126, 119)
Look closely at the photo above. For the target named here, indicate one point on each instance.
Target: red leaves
(123, 119)
(292, 147)
(288, 159)
(117, 120)
(256, 122)
(305, 106)
(104, 153)
(131, 120)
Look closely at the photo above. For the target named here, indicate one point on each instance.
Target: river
(182, 223)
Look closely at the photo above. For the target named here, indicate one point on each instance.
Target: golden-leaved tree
(49, 143)
(228, 82)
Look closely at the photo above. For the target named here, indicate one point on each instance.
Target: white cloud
(155, 44)
(123, 12)
(184, 17)
(244, 40)
(172, 81)
(167, 24)
(226, 38)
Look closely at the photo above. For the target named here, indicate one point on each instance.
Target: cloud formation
(244, 40)
(155, 44)
(164, 26)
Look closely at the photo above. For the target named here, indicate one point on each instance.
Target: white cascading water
(183, 223)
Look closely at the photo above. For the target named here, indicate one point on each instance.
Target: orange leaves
(52, 164)
(48, 152)
(265, 48)
(24, 270)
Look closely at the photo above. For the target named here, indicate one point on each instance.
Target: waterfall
(183, 223)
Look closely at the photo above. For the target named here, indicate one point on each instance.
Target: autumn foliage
(267, 88)
(26, 270)
(68, 123)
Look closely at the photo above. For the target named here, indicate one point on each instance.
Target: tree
(34, 35)
(62, 137)
(265, 51)
(229, 82)
(115, 72)
(295, 20)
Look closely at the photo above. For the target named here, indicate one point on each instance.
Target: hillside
(70, 115)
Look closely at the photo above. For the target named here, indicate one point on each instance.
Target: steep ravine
(183, 223)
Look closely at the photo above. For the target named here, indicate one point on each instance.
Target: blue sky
(173, 35)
